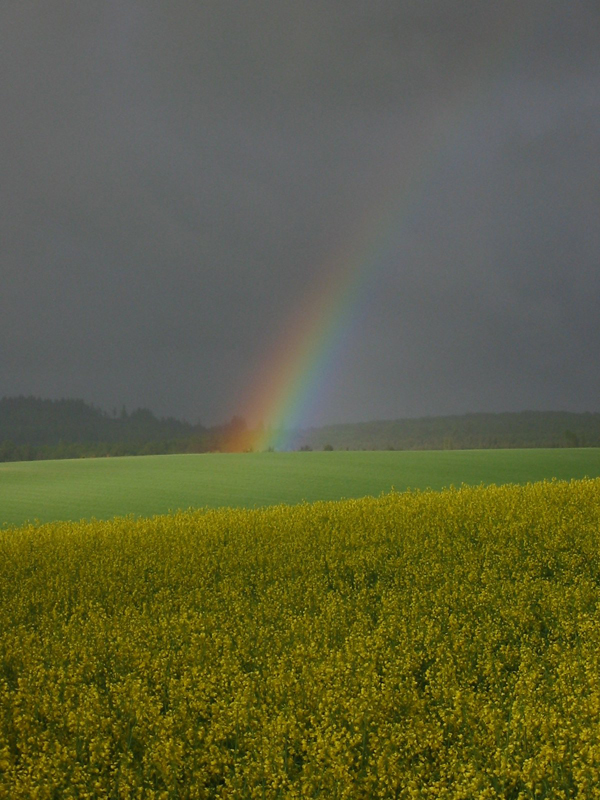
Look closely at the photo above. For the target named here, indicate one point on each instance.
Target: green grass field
(147, 485)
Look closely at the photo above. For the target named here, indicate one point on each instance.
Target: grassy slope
(102, 488)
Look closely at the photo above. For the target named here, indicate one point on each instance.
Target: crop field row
(102, 488)
(417, 645)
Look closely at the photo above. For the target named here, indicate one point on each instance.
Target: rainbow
(297, 368)
(291, 381)
(294, 374)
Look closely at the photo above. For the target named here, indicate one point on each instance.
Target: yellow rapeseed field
(419, 645)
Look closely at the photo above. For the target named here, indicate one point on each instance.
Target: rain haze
(178, 178)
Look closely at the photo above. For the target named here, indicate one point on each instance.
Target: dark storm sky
(175, 175)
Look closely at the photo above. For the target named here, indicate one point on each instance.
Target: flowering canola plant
(416, 645)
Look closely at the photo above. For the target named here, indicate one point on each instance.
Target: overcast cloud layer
(175, 176)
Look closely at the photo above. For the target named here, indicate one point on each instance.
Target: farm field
(416, 645)
(147, 485)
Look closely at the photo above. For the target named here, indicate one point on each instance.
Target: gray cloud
(176, 177)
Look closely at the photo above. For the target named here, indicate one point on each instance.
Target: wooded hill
(33, 421)
(32, 428)
(468, 431)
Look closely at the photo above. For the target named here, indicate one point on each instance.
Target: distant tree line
(464, 432)
(32, 428)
